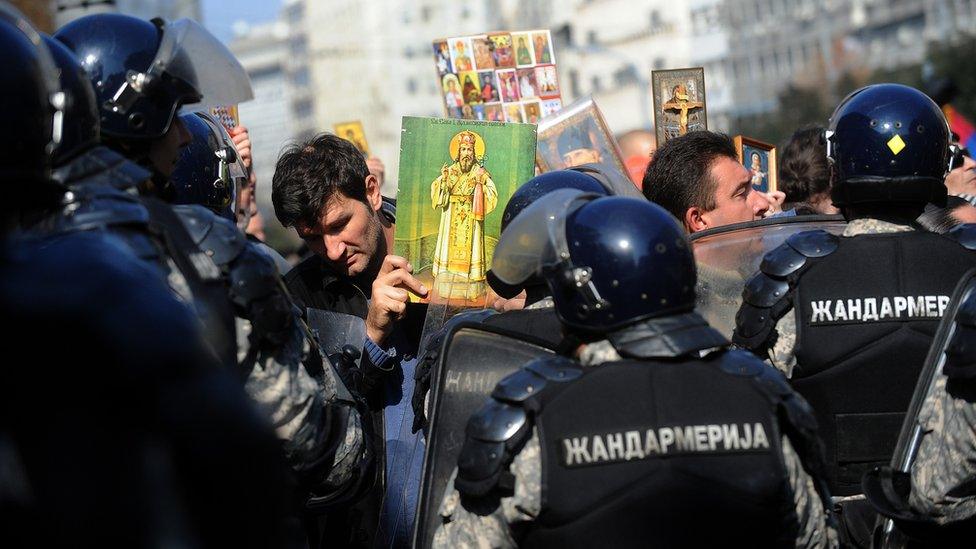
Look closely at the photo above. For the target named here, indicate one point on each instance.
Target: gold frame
(743, 141)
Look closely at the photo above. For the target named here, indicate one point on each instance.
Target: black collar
(667, 337)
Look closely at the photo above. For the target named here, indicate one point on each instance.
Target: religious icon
(509, 85)
(502, 50)
(494, 113)
(527, 84)
(353, 132)
(577, 135)
(479, 112)
(548, 83)
(452, 91)
(497, 66)
(455, 179)
(227, 115)
(461, 54)
(541, 41)
(513, 113)
(551, 107)
(533, 113)
(482, 53)
(760, 159)
(470, 87)
(523, 52)
(679, 102)
(489, 86)
(467, 113)
(442, 58)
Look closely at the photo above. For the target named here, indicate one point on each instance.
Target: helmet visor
(189, 53)
(536, 237)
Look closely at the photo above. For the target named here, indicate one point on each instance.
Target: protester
(961, 179)
(698, 178)
(803, 171)
(600, 451)
(324, 189)
(637, 148)
(851, 344)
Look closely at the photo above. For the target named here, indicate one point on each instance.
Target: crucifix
(679, 103)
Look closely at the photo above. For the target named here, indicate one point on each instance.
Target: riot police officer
(110, 434)
(659, 435)
(850, 318)
(257, 329)
(526, 308)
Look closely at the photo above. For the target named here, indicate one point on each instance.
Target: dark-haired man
(324, 189)
(698, 178)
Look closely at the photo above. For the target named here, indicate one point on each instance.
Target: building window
(595, 83)
(300, 77)
(412, 86)
(425, 13)
(591, 38)
(658, 63)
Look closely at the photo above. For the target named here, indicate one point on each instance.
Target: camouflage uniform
(466, 528)
(782, 355)
(945, 465)
(299, 408)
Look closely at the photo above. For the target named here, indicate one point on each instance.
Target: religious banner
(498, 76)
(760, 159)
(577, 135)
(353, 132)
(679, 102)
(456, 176)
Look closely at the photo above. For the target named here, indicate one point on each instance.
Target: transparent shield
(190, 53)
(448, 298)
(535, 237)
(334, 332)
(728, 256)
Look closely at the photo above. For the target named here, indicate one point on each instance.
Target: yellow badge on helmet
(896, 144)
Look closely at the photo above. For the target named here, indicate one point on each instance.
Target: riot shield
(340, 338)
(888, 490)
(448, 298)
(727, 256)
(471, 361)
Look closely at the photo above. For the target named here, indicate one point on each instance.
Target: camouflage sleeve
(815, 529)
(782, 356)
(464, 527)
(323, 437)
(945, 465)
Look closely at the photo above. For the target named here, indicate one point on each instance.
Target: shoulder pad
(764, 291)
(497, 422)
(965, 235)
(480, 461)
(782, 261)
(518, 386)
(751, 321)
(556, 368)
(816, 243)
(215, 236)
(252, 276)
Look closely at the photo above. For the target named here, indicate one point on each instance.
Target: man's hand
(514, 304)
(376, 169)
(390, 295)
(242, 140)
(776, 199)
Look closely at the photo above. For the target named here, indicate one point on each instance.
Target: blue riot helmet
(589, 178)
(209, 171)
(80, 126)
(31, 110)
(609, 261)
(143, 71)
(888, 143)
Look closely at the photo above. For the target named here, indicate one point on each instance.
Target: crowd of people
(204, 392)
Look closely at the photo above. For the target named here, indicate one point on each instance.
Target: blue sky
(219, 16)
